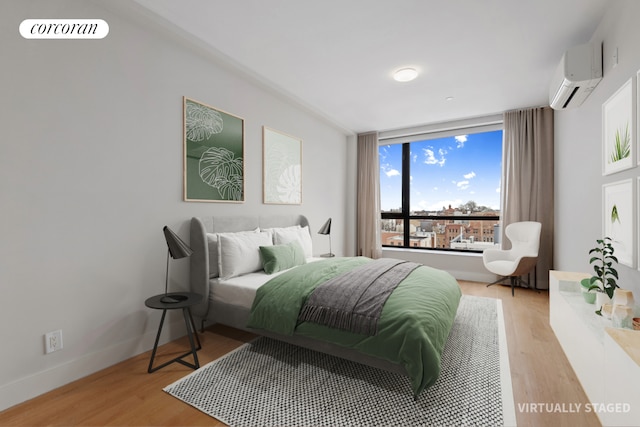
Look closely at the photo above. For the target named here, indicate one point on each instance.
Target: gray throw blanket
(353, 301)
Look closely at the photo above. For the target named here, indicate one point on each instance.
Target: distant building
(457, 232)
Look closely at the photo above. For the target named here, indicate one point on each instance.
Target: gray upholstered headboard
(200, 262)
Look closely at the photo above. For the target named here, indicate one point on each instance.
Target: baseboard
(508, 404)
(38, 383)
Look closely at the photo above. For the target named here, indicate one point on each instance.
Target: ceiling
(336, 57)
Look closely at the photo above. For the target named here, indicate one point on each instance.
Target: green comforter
(413, 327)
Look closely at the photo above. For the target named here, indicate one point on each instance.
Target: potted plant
(589, 296)
(604, 280)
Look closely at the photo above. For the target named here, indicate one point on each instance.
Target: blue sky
(446, 171)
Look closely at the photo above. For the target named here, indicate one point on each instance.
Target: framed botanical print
(618, 131)
(618, 219)
(282, 167)
(213, 160)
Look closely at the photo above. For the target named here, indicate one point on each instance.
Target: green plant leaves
(622, 146)
(606, 275)
(614, 214)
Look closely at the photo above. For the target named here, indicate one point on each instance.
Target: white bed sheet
(241, 290)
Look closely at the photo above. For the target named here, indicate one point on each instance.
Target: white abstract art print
(282, 168)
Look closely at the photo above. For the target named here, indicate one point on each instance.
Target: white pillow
(239, 253)
(212, 242)
(214, 258)
(282, 236)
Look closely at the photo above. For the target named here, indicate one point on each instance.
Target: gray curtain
(368, 191)
(527, 178)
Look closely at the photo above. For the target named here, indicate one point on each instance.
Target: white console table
(606, 360)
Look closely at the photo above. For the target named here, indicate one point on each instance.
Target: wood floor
(125, 395)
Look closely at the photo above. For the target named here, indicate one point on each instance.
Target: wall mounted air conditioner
(578, 73)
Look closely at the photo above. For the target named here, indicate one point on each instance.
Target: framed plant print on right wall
(618, 135)
(618, 219)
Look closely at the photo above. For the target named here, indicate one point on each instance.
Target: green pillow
(280, 257)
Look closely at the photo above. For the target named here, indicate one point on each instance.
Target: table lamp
(326, 230)
(176, 249)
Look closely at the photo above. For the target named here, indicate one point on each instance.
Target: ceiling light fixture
(405, 74)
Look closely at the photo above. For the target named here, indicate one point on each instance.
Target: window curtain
(527, 179)
(368, 191)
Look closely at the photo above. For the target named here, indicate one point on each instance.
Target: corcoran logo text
(64, 29)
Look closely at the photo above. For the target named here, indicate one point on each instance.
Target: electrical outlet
(53, 341)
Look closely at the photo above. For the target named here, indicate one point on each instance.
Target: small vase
(601, 299)
(606, 311)
(621, 316)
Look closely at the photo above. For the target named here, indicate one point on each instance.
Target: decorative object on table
(607, 310)
(621, 316)
(624, 297)
(176, 249)
(186, 300)
(618, 131)
(213, 154)
(282, 167)
(604, 280)
(623, 308)
(618, 213)
(588, 295)
(326, 230)
(635, 322)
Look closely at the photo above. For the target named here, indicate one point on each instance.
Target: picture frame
(282, 167)
(637, 114)
(213, 154)
(618, 219)
(638, 219)
(618, 131)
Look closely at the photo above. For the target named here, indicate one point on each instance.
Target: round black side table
(184, 300)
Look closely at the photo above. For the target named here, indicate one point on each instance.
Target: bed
(230, 255)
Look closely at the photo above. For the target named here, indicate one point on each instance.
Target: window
(441, 192)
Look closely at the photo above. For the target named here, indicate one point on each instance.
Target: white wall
(578, 150)
(461, 265)
(91, 169)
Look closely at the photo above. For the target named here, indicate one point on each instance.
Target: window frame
(422, 133)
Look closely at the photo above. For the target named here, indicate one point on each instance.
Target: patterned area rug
(270, 383)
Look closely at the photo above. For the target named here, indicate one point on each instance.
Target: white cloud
(462, 185)
(430, 157)
(469, 175)
(461, 139)
(392, 172)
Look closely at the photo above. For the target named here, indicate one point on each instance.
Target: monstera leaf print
(202, 122)
(289, 185)
(220, 169)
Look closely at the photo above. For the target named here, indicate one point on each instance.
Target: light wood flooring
(126, 395)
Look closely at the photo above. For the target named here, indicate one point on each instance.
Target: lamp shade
(177, 248)
(326, 228)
